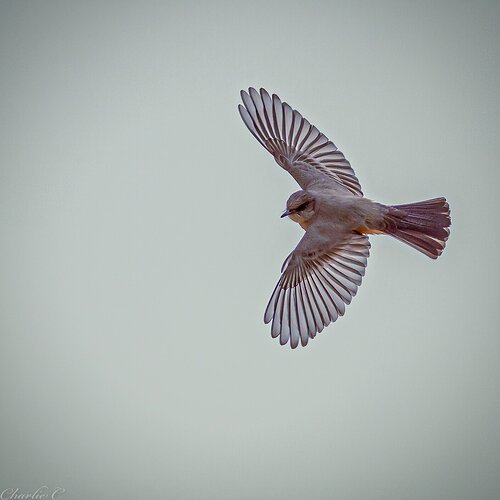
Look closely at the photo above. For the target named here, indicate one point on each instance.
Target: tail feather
(424, 225)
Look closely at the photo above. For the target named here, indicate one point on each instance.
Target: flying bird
(324, 271)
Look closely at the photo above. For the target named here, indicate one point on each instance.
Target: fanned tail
(424, 225)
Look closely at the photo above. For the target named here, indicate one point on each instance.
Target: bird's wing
(315, 287)
(297, 146)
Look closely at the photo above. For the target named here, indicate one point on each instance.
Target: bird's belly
(367, 230)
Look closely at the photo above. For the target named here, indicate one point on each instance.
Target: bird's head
(300, 207)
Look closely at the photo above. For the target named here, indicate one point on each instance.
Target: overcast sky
(141, 239)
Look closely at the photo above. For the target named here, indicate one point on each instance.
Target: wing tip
(263, 92)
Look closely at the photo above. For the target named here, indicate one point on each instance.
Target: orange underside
(367, 230)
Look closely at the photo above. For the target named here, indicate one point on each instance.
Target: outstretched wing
(297, 146)
(313, 290)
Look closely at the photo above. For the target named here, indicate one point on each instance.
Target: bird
(322, 274)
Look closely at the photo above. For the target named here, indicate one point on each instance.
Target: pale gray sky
(141, 240)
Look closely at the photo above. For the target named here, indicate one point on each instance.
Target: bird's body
(323, 272)
(341, 211)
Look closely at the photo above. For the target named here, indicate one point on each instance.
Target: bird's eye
(302, 207)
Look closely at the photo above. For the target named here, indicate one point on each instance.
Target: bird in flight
(324, 271)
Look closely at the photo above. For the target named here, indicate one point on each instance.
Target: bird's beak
(286, 213)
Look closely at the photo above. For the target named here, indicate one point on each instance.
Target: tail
(424, 225)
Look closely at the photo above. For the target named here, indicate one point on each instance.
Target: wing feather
(313, 291)
(294, 142)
